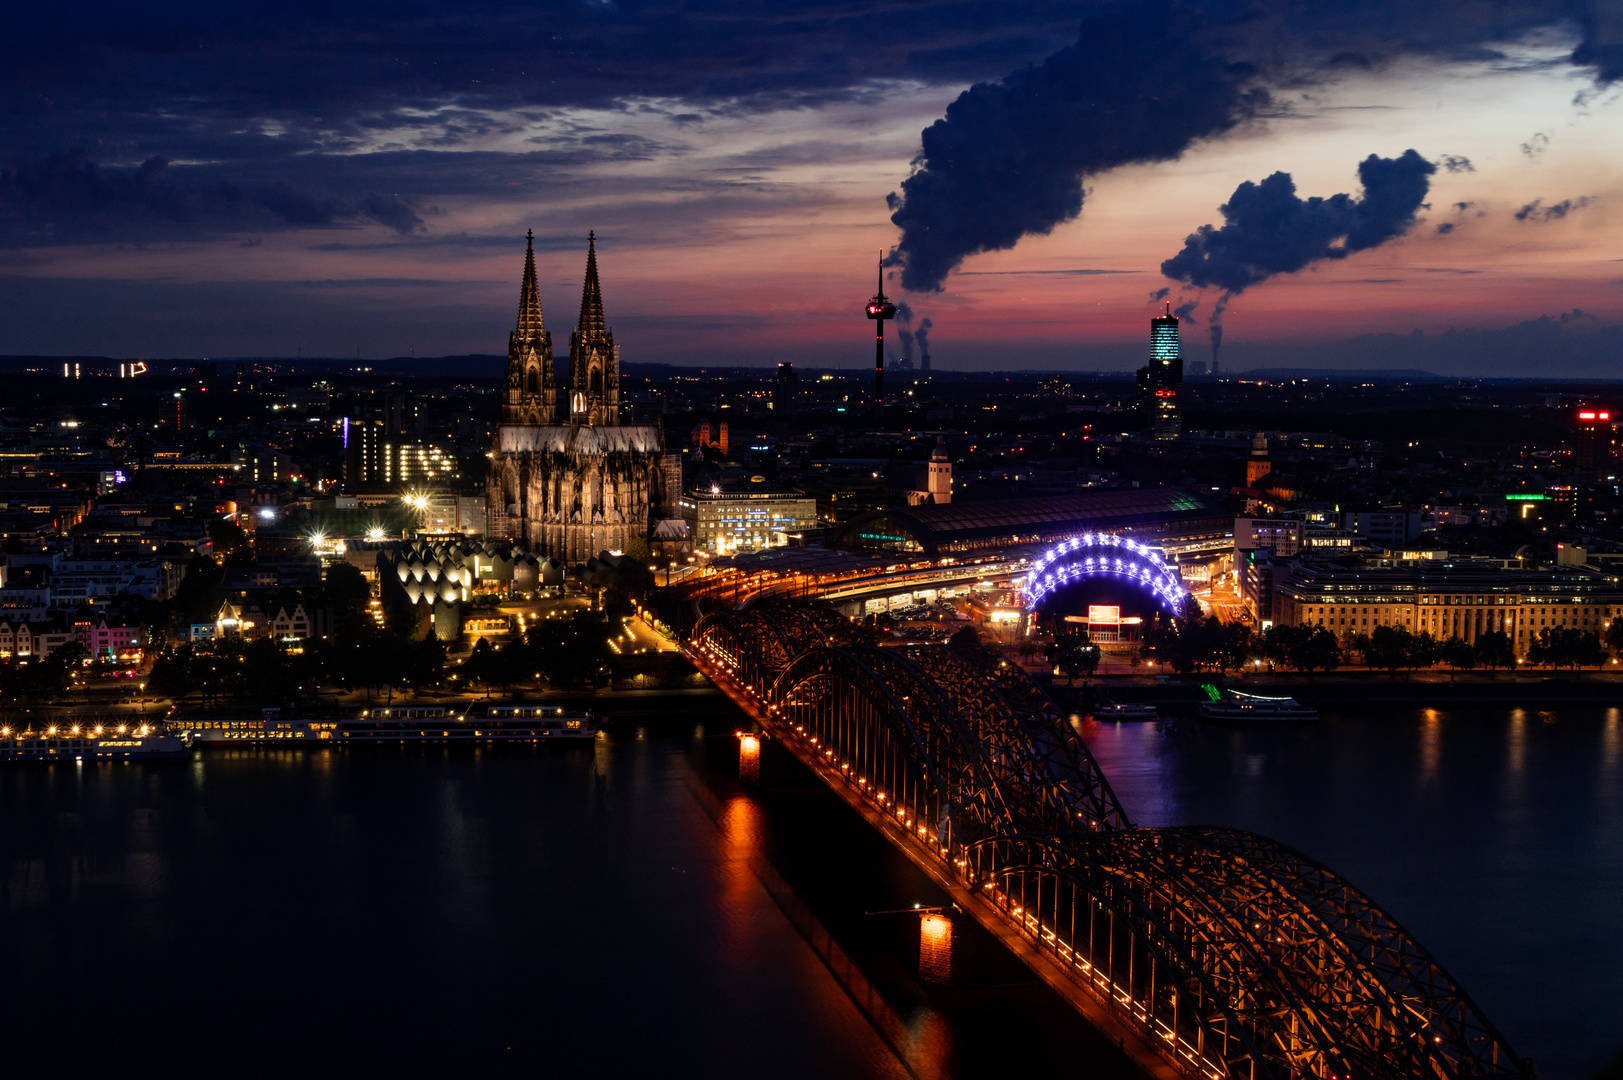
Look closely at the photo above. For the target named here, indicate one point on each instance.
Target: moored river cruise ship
(477, 724)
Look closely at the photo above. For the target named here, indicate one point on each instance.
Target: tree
(1077, 656)
(1305, 648)
(200, 593)
(229, 542)
(344, 585)
(1459, 654)
(1587, 651)
(171, 676)
(1424, 650)
(1495, 650)
(426, 664)
(964, 639)
(1389, 648)
(480, 666)
(1614, 641)
(569, 651)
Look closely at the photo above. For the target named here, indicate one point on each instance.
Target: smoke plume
(904, 332)
(1268, 229)
(1008, 159)
(922, 335)
(1148, 78)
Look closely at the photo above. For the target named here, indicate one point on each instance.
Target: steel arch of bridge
(1104, 554)
(1234, 955)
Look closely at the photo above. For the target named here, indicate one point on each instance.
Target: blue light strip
(1092, 554)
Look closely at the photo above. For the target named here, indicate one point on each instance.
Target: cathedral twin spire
(592, 393)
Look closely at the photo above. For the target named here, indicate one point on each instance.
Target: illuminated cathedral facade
(567, 479)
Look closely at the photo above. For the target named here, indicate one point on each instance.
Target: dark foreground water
(580, 912)
(1494, 835)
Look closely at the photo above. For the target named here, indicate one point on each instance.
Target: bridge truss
(1232, 955)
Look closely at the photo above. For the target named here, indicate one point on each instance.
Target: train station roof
(966, 526)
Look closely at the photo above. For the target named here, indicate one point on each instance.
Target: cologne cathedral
(567, 479)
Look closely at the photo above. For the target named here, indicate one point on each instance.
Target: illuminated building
(746, 517)
(1161, 382)
(1593, 445)
(1463, 598)
(567, 479)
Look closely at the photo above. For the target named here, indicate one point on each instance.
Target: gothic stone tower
(529, 395)
(566, 478)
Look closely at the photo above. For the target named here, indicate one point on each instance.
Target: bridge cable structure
(1233, 956)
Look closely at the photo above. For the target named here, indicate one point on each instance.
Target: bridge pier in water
(749, 758)
(1206, 953)
(936, 948)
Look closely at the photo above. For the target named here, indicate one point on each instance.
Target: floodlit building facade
(567, 479)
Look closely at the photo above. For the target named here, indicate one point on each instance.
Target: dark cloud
(1269, 230)
(1536, 145)
(1008, 158)
(1536, 211)
(1446, 227)
(1144, 81)
(1455, 163)
(66, 198)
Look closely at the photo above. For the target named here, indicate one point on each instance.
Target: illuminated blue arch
(1094, 554)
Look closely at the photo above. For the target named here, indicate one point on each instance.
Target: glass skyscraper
(1161, 383)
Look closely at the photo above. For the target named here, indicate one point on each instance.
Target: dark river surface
(599, 910)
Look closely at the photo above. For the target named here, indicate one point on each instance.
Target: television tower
(880, 309)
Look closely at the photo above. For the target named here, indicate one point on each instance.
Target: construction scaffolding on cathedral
(567, 479)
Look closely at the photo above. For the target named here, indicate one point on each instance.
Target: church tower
(529, 394)
(566, 479)
(594, 359)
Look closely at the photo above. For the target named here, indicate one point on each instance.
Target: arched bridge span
(1231, 955)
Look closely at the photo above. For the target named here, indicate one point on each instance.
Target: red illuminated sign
(1104, 615)
(1588, 415)
(1166, 393)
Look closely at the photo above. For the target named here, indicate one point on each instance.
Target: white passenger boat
(75, 743)
(1234, 705)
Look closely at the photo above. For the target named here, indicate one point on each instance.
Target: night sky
(1358, 184)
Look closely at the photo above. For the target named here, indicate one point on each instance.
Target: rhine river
(598, 910)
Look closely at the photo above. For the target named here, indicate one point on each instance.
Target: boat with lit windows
(1124, 710)
(474, 724)
(270, 728)
(72, 742)
(1234, 706)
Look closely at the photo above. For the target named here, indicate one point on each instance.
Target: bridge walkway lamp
(879, 309)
